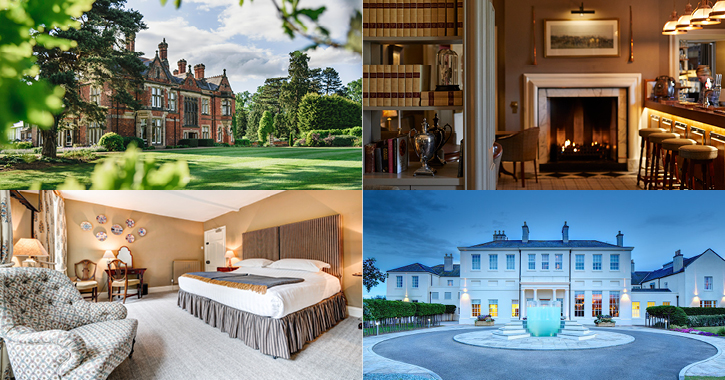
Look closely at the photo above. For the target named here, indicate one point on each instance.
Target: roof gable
(545, 244)
(417, 267)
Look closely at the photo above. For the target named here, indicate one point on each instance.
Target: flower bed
(693, 331)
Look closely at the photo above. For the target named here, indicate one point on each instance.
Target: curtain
(6, 230)
(50, 228)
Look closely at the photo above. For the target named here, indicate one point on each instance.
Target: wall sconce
(581, 11)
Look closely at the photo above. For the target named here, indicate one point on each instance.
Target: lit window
(545, 261)
(708, 282)
(205, 106)
(613, 262)
(707, 303)
(510, 262)
(596, 303)
(597, 262)
(447, 295)
(558, 261)
(532, 261)
(665, 303)
(434, 296)
(614, 303)
(635, 309)
(578, 304)
(476, 262)
(157, 97)
(514, 308)
(172, 101)
(450, 282)
(579, 262)
(475, 308)
(415, 281)
(650, 303)
(398, 281)
(493, 262)
(493, 308)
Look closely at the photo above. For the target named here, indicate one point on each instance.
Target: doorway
(214, 248)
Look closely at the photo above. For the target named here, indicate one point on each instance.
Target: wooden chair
(85, 280)
(521, 147)
(118, 278)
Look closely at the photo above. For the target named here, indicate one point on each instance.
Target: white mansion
(588, 277)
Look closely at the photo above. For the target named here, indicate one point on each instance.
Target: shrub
(377, 309)
(28, 158)
(300, 142)
(703, 310)
(38, 150)
(721, 332)
(327, 112)
(206, 142)
(604, 319)
(222, 144)
(189, 142)
(149, 147)
(706, 320)
(425, 309)
(450, 309)
(128, 139)
(358, 142)
(486, 318)
(344, 140)
(111, 141)
(243, 142)
(84, 155)
(676, 315)
(354, 131)
(22, 145)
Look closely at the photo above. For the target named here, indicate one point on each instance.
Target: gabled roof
(666, 270)
(417, 267)
(638, 276)
(545, 244)
(456, 272)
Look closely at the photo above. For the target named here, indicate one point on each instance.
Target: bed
(284, 318)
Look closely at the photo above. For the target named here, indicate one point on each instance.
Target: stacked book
(395, 85)
(441, 98)
(387, 156)
(412, 18)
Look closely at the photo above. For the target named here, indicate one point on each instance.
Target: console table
(131, 271)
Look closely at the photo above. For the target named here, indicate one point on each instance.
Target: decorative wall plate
(101, 219)
(117, 229)
(130, 223)
(86, 226)
(141, 231)
(101, 236)
(130, 238)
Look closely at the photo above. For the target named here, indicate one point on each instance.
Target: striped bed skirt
(271, 336)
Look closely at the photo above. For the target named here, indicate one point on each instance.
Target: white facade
(420, 283)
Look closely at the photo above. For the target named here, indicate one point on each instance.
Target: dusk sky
(248, 41)
(405, 227)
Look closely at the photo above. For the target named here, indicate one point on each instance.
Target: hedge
(676, 314)
(450, 309)
(377, 309)
(705, 320)
(356, 131)
(327, 112)
(128, 139)
(206, 142)
(112, 142)
(242, 142)
(190, 142)
(704, 310)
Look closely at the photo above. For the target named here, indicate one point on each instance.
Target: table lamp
(31, 248)
(229, 256)
(108, 255)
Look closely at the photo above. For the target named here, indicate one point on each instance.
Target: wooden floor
(572, 181)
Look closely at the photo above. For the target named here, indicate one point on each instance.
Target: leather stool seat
(698, 152)
(644, 132)
(675, 144)
(657, 138)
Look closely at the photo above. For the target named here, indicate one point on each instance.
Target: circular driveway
(650, 356)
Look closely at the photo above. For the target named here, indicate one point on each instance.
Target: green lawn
(230, 168)
(713, 329)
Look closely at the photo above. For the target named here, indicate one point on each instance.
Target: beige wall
(295, 206)
(21, 216)
(168, 239)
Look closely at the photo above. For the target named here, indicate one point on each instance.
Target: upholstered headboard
(317, 239)
(262, 244)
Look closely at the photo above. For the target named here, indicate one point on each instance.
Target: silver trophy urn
(425, 147)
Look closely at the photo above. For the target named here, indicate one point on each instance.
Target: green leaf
(313, 14)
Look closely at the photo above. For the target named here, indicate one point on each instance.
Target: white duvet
(278, 301)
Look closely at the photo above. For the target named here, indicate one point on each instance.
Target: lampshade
(390, 113)
(718, 10)
(230, 254)
(29, 247)
(684, 22)
(702, 15)
(108, 254)
(671, 26)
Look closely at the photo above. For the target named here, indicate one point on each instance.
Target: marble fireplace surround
(624, 86)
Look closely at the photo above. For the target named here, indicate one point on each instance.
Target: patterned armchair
(52, 333)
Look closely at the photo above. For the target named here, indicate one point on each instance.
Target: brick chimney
(632, 265)
(176, 72)
(131, 43)
(448, 263)
(620, 239)
(163, 50)
(565, 233)
(199, 71)
(182, 66)
(499, 235)
(677, 261)
(525, 234)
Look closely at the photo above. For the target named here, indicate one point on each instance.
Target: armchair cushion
(83, 285)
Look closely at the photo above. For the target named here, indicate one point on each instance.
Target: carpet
(172, 344)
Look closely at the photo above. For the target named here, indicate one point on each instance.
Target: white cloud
(329, 56)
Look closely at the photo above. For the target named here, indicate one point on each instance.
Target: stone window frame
(204, 106)
(157, 97)
(172, 100)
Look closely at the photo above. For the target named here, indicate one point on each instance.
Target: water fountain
(543, 318)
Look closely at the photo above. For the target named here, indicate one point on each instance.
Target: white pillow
(299, 264)
(253, 263)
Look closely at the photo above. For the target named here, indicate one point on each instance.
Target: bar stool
(703, 155)
(656, 140)
(671, 148)
(644, 152)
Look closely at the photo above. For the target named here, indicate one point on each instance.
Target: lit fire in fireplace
(593, 150)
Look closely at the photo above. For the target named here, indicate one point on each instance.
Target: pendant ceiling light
(718, 10)
(684, 22)
(702, 15)
(671, 26)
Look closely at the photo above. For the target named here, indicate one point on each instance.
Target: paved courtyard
(487, 339)
(434, 354)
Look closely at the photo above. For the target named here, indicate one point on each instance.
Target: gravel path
(650, 356)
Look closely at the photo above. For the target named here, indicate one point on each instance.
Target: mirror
(124, 254)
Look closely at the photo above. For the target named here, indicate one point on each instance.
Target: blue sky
(248, 41)
(405, 227)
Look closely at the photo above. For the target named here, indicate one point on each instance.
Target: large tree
(266, 127)
(330, 81)
(281, 126)
(372, 276)
(353, 91)
(297, 86)
(99, 58)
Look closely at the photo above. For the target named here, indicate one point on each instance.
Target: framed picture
(581, 38)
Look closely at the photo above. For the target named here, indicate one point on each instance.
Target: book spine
(381, 85)
(366, 86)
(450, 17)
(409, 85)
(441, 17)
(427, 18)
(391, 155)
(369, 158)
(384, 161)
(379, 160)
(416, 85)
(459, 18)
(441, 102)
(387, 83)
(401, 18)
(406, 18)
(386, 18)
(441, 94)
(379, 17)
(366, 18)
(401, 85)
(419, 29)
(372, 23)
(401, 153)
(393, 18)
(433, 17)
(373, 83)
(394, 101)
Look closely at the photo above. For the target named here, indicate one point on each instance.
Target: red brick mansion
(177, 105)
